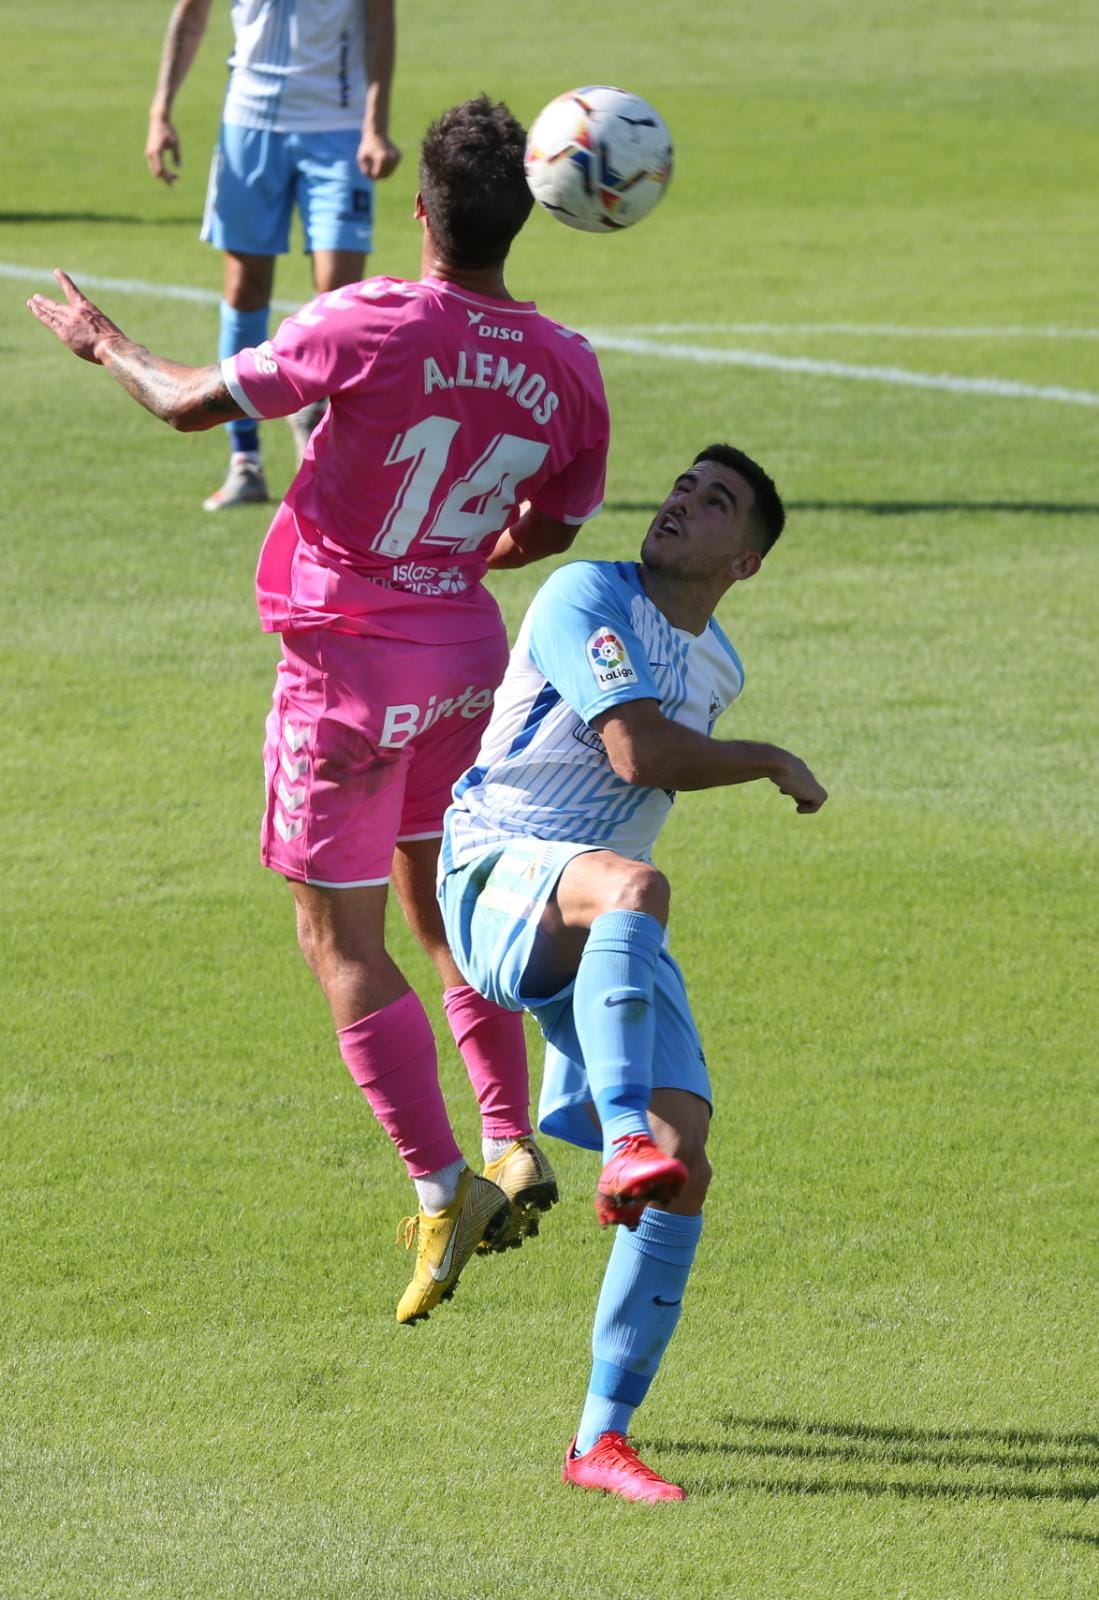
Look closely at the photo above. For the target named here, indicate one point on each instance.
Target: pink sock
(494, 1050)
(391, 1056)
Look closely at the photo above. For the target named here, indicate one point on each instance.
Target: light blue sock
(612, 1008)
(241, 330)
(636, 1316)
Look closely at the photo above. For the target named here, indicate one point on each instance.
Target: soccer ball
(598, 159)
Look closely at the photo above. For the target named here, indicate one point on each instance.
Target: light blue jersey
(592, 639)
(297, 65)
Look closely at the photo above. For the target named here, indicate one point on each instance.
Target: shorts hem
(352, 246)
(500, 976)
(351, 883)
(297, 875)
(211, 238)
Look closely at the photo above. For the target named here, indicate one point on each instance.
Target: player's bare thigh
(591, 884)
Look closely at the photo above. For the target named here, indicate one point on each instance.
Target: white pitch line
(151, 291)
(606, 339)
(1001, 388)
(871, 330)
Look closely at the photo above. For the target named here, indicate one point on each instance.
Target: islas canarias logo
(609, 659)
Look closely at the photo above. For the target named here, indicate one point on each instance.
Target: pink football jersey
(448, 409)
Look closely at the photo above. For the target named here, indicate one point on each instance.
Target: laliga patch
(609, 659)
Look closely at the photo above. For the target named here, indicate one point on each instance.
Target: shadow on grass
(909, 508)
(98, 216)
(906, 508)
(987, 1452)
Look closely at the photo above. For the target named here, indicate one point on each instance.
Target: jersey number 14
(478, 504)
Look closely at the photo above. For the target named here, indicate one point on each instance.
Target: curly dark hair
(472, 182)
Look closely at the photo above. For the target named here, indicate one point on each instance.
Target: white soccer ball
(598, 158)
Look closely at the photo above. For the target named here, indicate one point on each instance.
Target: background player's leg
(243, 324)
(333, 268)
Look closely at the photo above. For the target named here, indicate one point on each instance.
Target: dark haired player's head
(768, 514)
(472, 184)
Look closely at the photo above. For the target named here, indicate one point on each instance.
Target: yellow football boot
(444, 1243)
(526, 1177)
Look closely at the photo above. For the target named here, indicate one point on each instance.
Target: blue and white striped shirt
(592, 639)
(297, 65)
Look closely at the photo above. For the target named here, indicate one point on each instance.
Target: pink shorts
(365, 740)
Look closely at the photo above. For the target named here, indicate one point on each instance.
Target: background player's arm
(377, 154)
(531, 538)
(189, 398)
(186, 26)
(646, 748)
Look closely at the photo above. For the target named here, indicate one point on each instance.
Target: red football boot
(639, 1174)
(615, 1467)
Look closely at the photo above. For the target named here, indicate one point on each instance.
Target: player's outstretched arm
(532, 537)
(646, 748)
(186, 26)
(189, 398)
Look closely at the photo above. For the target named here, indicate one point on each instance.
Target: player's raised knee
(637, 886)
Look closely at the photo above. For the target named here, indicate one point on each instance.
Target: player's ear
(418, 208)
(745, 565)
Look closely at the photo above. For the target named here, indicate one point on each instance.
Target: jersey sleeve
(575, 492)
(318, 352)
(582, 641)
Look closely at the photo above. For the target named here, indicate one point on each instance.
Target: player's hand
(163, 140)
(795, 779)
(377, 156)
(79, 324)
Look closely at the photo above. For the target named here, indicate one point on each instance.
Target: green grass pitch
(883, 1383)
